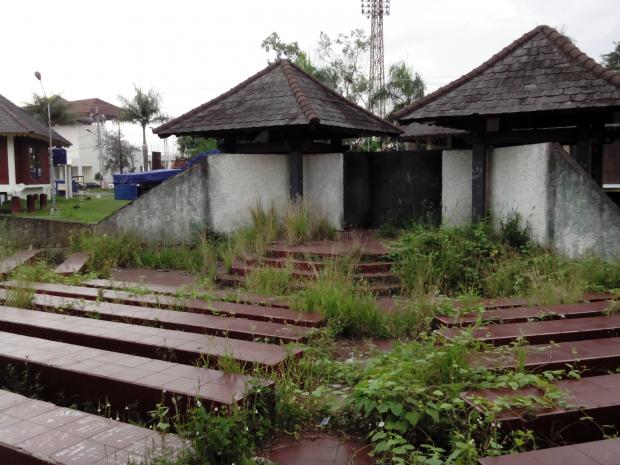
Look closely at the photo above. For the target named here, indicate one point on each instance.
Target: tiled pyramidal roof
(542, 70)
(15, 121)
(281, 95)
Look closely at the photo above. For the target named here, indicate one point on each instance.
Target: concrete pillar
(30, 203)
(10, 146)
(15, 204)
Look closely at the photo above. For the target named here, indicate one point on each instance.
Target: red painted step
(605, 452)
(596, 356)
(238, 328)
(17, 259)
(316, 265)
(252, 312)
(74, 263)
(596, 396)
(542, 332)
(379, 277)
(33, 432)
(210, 294)
(97, 375)
(524, 314)
(514, 302)
(157, 343)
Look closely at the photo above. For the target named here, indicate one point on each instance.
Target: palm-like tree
(59, 109)
(144, 108)
(404, 86)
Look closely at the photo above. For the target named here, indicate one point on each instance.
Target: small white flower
(199, 404)
(216, 409)
(381, 424)
(247, 429)
(255, 410)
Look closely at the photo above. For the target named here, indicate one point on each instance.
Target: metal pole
(49, 133)
(100, 150)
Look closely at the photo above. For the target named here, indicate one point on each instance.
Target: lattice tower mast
(375, 10)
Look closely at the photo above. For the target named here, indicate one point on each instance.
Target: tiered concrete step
(156, 343)
(525, 314)
(33, 432)
(542, 332)
(74, 263)
(252, 312)
(594, 356)
(604, 452)
(315, 266)
(17, 259)
(597, 397)
(239, 328)
(122, 379)
(495, 303)
(212, 294)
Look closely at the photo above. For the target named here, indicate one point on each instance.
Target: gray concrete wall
(562, 205)
(173, 211)
(324, 186)
(583, 218)
(218, 193)
(42, 233)
(456, 187)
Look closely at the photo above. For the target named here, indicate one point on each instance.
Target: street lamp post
(49, 150)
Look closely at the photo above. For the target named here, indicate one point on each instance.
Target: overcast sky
(191, 51)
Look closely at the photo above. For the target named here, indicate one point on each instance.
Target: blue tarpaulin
(157, 175)
(144, 176)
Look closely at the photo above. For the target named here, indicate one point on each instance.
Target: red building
(24, 159)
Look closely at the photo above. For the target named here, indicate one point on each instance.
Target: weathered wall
(563, 206)
(238, 182)
(517, 183)
(172, 211)
(456, 187)
(324, 186)
(391, 187)
(583, 219)
(42, 233)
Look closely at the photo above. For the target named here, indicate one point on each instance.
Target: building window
(35, 163)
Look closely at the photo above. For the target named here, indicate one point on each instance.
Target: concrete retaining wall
(42, 233)
(218, 193)
(563, 206)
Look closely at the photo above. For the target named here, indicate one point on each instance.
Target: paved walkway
(315, 449)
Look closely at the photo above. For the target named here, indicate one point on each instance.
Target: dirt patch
(160, 278)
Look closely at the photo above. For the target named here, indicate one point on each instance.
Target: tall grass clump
(107, 251)
(303, 223)
(270, 281)
(8, 244)
(349, 307)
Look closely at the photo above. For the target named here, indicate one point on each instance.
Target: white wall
(324, 186)
(238, 182)
(563, 206)
(456, 187)
(517, 183)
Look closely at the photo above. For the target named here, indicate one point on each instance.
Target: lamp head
(37, 75)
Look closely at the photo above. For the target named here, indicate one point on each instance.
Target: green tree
(191, 146)
(59, 109)
(611, 60)
(118, 154)
(404, 86)
(144, 108)
(345, 63)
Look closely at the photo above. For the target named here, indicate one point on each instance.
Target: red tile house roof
(17, 122)
(92, 106)
(541, 71)
(281, 95)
